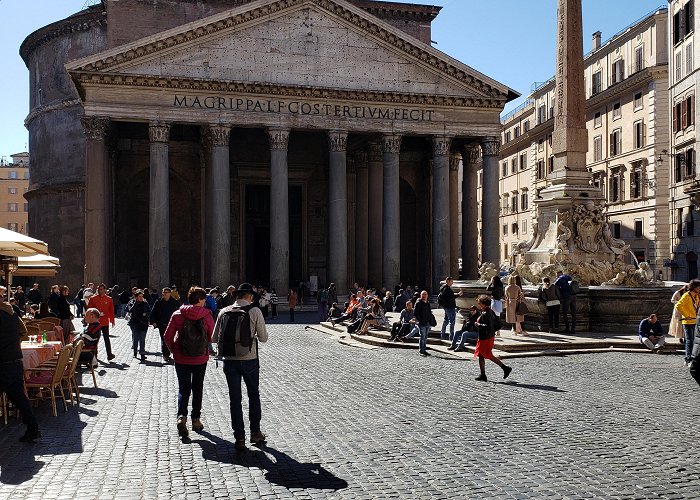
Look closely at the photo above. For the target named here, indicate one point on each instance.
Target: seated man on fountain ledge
(651, 334)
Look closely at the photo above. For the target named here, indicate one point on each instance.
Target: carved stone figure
(618, 247)
(487, 271)
(588, 218)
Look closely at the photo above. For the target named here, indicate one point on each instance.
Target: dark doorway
(692, 260)
(257, 234)
(409, 236)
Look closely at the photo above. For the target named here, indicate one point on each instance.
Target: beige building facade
(627, 119)
(683, 115)
(14, 183)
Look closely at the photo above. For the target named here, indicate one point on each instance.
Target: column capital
(159, 131)
(375, 151)
(490, 146)
(361, 159)
(95, 127)
(455, 159)
(279, 138)
(441, 145)
(472, 154)
(391, 143)
(219, 135)
(337, 141)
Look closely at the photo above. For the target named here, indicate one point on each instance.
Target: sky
(511, 41)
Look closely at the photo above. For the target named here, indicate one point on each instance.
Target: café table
(35, 354)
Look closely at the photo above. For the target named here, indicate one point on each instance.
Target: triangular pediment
(327, 44)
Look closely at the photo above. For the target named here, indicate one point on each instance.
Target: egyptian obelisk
(570, 228)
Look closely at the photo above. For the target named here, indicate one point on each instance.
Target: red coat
(177, 321)
(105, 305)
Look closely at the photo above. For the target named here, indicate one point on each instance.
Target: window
(639, 137)
(526, 126)
(618, 71)
(523, 201)
(514, 202)
(513, 165)
(638, 59)
(689, 11)
(690, 110)
(551, 164)
(12, 207)
(540, 169)
(679, 161)
(617, 230)
(597, 83)
(638, 103)
(638, 228)
(689, 58)
(690, 223)
(504, 203)
(636, 183)
(12, 175)
(689, 164)
(505, 229)
(597, 121)
(541, 114)
(12, 190)
(523, 161)
(616, 142)
(679, 66)
(516, 131)
(617, 111)
(26, 207)
(540, 145)
(514, 228)
(13, 226)
(508, 136)
(677, 117)
(551, 108)
(616, 186)
(504, 169)
(524, 226)
(598, 148)
(26, 174)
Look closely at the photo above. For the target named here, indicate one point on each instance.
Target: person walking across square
(104, 303)
(239, 324)
(487, 325)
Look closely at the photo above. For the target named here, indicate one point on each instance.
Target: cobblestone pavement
(344, 422)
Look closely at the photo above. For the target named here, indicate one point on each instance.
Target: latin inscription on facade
(302, 108)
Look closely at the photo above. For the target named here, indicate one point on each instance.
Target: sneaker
(197, 425)
(451, 348)
(110, 357)
(240, 445)
(460, 349)
(506, 371)
(143, 359)
(30, 436)
(168, 360)
(481, 378)
(182, 427)
(257, 438)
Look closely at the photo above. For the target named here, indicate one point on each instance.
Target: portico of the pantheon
(220, 141)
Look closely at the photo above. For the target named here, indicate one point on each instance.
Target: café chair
(51, 378)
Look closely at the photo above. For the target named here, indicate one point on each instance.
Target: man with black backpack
(448, 301)
(237, 331)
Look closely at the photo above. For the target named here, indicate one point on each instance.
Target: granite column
(338, 211)
(441, 211)
(455, 160)
(490, 201)
(391, 213)
(375, 178)
(219, 201)
(97, 187)
(361, 217)
(159, 206)
(470, 215)
(279, 210)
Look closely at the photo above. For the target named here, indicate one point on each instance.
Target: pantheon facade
(220, 141)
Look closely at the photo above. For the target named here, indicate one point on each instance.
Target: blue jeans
(12, 383)
(138, 339)
(190, 379)
(249, 371)
(450, 317)
(689, 339)
(422, 343)
(462, 337)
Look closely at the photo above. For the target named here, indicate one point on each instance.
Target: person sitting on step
(651, 333)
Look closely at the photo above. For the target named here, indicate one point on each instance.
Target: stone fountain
(570, 230)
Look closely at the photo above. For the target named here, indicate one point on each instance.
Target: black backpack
(441, 297)
(192, 338)
(497, 323)
(236, 337)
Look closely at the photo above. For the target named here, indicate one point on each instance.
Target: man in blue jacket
(651, 334)
(568, 301)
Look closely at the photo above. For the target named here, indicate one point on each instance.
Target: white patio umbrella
(13, 244)
(37, 265)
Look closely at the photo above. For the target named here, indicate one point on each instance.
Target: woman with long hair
(514, 295)
(64, 314)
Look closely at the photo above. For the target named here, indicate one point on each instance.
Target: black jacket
(448, 298)
(486, 324)
(10, 335)
(422, 313)
(162, 311)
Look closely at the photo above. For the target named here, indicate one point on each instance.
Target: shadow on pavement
(284, 470)
(21, 466)
(537, 387)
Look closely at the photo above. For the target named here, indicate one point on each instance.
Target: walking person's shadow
(284, 470)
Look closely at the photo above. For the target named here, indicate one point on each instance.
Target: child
(90, 337)
(487, 324)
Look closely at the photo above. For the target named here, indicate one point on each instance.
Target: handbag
(521, 309)
(433, 321)
(554, 302)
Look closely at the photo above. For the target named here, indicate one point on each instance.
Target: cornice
(623, 86)
(72, 187)
(354, 16)
(85, 20)
(48, 108)
(298, 91)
